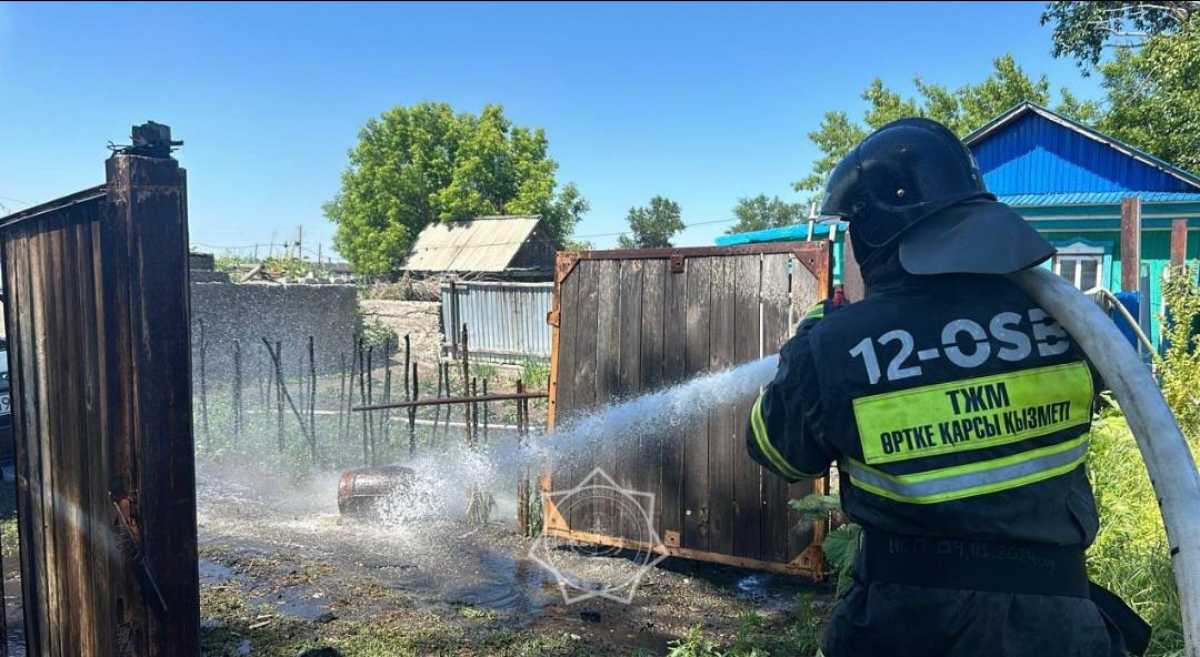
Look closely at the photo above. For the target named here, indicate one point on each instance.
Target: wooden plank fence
(97, 317)
(628, 322)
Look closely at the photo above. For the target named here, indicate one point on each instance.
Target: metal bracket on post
(564, 263)
(150, 139)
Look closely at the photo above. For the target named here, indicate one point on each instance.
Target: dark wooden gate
(96, 306)
(627, 322)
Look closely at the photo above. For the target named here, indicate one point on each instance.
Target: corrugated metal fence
(505, 321)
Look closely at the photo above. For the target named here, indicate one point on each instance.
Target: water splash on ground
(422, 534)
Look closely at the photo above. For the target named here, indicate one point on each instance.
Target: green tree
(1154, 97)
(652, 226)
(761, 212)
(961, 109)
(1152, 81)
(413, 166)
(834, 138)
(1083, 30)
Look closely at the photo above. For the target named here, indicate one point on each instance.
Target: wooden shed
(632, 321)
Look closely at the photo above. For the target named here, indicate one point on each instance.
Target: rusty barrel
(362, 491)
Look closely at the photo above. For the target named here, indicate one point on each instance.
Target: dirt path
(281, 572)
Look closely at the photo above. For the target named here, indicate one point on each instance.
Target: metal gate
(626, 322)
(96, 308)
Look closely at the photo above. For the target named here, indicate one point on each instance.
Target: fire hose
(1162, 445)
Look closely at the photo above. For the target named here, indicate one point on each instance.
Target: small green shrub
(482, 371)
(377, 335)
(694, 644)
(230, 262)
(535, 374)
(841, 544)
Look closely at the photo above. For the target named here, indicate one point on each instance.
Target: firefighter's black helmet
(912, 182)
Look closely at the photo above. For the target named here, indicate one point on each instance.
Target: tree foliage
(1083, 30)
(1152, 80)
(653, 225)
(834, 138)
(1154, 96)
(761, 212)
(962, 109)
(416, 165)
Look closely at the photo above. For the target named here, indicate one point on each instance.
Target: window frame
(1078, 252)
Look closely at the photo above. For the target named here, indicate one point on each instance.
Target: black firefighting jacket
(955, 407)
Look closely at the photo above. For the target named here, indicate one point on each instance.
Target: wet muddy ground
(281, 573)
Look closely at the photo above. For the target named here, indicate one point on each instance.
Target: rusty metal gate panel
(632, 321)
(96, 309)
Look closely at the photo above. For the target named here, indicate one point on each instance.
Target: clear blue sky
(702, 103)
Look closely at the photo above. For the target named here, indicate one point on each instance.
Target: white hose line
(1164, 449)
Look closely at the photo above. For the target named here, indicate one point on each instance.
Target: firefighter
(958, 413)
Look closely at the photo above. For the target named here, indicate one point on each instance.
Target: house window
(1081, 264)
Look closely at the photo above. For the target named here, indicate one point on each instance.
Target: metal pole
(474, 410)
(412, 413)
(341, 395)
(466, 377)
(237, 392)
(437, 410)
(486, 412)
(278, 358)
(434, 401)
(385, 423)
(371, 400)
(312, 398)
(204, 389)
(362, 395)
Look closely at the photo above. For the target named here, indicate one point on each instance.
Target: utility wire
(505, 243)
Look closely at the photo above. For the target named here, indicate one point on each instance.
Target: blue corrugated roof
(1031, 150)
(1097, 198)
(793, 233)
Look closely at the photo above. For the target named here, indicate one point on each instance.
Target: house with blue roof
(1117, 215)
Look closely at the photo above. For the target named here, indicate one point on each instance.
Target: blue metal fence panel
(505, 321)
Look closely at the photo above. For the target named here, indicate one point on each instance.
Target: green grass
(400, 633)
(1130, 556)
(475, 613)
(484, 371)
(755, 637)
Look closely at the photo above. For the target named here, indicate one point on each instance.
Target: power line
(505, 243)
